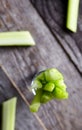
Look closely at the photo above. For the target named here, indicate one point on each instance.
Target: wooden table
(55, 47)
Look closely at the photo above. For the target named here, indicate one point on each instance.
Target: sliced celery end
(21, 38)
(41, 78)
(60, 84)
(72, 15)
(8, 114)
(34, 107)
(49, 87)
(46, 97)
(36, 84)
(59, 94)
(52, 74)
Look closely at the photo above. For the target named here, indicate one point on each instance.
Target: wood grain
(54, 15)
(8, 89)
(22, 63)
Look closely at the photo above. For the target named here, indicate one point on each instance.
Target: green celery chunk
(59, 94)
(18, 38)
(49, 87)
(60, 84)
(46, 97)
(52, 74)
(36, 84)
(8, 114)
(36, 101)
(72, 15)
(41, 77)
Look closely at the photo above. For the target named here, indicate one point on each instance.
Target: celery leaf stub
(48, 85)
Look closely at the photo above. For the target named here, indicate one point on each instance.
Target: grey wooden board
(22, 63)
(24, 119)
(54, 15)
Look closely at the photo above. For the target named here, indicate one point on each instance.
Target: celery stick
(21, 38)
(36, 101)
(49, 87)
(8, 114)
(72, 15)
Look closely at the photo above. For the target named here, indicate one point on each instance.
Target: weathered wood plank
(54, 15)
(23, 62)
(24, 119)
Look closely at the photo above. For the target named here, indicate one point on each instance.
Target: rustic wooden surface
(52, 49)
(54, 15)
(22, 110)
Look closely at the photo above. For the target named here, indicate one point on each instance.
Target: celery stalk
(36, 101)
(22, 38)
(8, 114)
(72, 15)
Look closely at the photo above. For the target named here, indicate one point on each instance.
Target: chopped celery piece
(60, 84)
(36, 101)
(53, 74)
(36, 84)
(21, 38)
(72, 15)
(49, 87)
(46, 96)
(41, 77)
(8, 114)
(59, 94)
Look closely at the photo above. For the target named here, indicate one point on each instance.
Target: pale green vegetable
(8, 114)
(36, 84)
(52, 74)
(60, 94)
(36, 101)
(49, 87)
(41, 77)
(17, 38)
(60, 84)
(72, 15)
(46, 97)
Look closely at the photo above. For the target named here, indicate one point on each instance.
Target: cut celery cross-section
(52, 75)
(49, 87)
